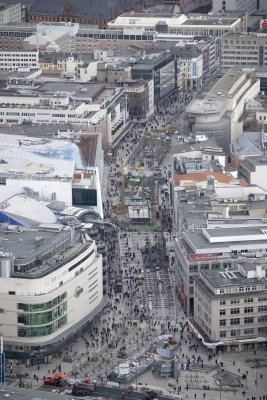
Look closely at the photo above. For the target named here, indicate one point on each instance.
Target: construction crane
(122, 167)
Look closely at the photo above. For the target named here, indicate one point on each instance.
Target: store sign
(231, 342)
(263, 24)
(203, 257)
(78, 291)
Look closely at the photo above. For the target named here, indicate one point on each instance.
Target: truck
(54, 380)
(83, 389)
(118, 283)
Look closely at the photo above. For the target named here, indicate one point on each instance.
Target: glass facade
(44, 317)
(42, 306)
(43, 330)
(49, 314)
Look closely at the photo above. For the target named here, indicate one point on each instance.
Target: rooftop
(224, 86)
(229, 278)
(81, 90)
(210, 21)
(44, 158)
(18, 208)
(256, 161)
(206, 106)
(218, 176)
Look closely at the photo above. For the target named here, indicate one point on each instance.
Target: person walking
(123, 395)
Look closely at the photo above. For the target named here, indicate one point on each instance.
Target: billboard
(182, 292)
(263, 23)
(194, 69)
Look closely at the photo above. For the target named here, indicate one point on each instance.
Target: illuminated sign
(203, 257)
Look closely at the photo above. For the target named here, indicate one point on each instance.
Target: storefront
(228, 346)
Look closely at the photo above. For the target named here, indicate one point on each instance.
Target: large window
(84, 197)
(263, 318)
(248, 310)
(262, 308)
(45, 330)
(235, 332)
(42, 318)
(222, 312)
(223, 334)
(222, 322)
(235, 301)
(42, 306)
(235, 321)
(235, 310)
(248, 300)
(248, 331)
(248, 320)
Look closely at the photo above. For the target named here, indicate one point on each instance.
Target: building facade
(230, 308)
(250, 6)
(248, 49)
(12, 60)
(12, 36)
(195, 24)
(51, 289)
(10, 12)
(86, 41)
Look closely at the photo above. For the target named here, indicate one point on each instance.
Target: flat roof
(211, 21)
(237, 232)
(257, 160)
(82, 90)
(221, 279)
(206, 106)
(225, 84)
(23, 242)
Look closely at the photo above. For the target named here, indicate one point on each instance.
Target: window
(248, 331)
(262, 308)
(235, 310)
(248, 300)
(235, 321)
(222, 302)
(235, 332)
(248, 320)
(241, 289)
(247, 288)
(222, 322)
(222, 312)
(262, 329)
(235, 301)
(223, 334)
(221, 290)
(263, 318)
(262, 299)
(248, 310)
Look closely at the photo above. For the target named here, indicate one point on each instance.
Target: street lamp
(2, 360)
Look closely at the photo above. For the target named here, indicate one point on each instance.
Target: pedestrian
(123, 395)
(195, 396)
(38, 367)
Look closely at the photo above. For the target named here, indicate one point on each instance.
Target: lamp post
(2, 360)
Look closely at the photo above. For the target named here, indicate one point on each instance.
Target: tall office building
(235, 5)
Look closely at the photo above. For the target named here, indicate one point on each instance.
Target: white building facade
(50, 298)
(13, 60)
